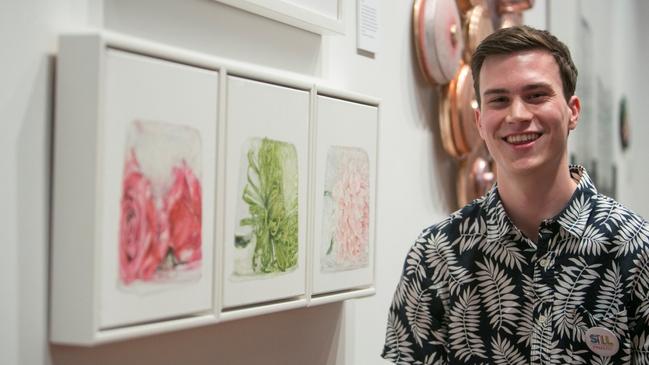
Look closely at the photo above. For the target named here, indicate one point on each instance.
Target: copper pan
(514, 6)
(466, 5)
(445, 124)
(476, 176)
(477, 26)
(511, 19)
(462, 113)
(439, 42)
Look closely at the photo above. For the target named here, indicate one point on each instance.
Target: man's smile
(522, 138)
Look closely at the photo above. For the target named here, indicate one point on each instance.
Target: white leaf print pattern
(464, 327)
(414, 267)
(639, 278)
(434, 360)
(505, 251)
(545, 350)
(609, 300)
(415, 260)
(525, 328)
(593, 242)
(639, 283)
(498, 223)
(575, 357)
(471, 231)
(640, 348)
(444, 265)
(571, 288)
(505, 353)
(576, 216)
(496, 289)
(396, 341)
(418, 311)
(542, 290)
(608, 213)
(632, 235)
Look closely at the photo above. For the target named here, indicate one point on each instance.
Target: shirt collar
(572, 218)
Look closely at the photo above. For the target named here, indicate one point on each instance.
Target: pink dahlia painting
(346, 210)
(160, 210)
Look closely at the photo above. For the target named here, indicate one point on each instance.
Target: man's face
(524, 117)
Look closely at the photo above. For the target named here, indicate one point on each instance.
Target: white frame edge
(79, 325)
(297, 16)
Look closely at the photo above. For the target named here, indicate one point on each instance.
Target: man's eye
(498, 100)
(537, 96)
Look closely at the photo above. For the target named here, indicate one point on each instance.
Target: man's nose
(518, 111)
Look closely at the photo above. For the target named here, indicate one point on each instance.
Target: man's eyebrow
(500, 91)
(537, 85)
(495, 91)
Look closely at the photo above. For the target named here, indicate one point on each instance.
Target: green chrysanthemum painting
(266, 235)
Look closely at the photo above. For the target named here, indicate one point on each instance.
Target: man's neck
(530, 199)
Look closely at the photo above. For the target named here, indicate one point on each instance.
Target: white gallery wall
(617, 58)
(415, 177)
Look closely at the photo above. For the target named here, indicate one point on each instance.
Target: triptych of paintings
(200, 210)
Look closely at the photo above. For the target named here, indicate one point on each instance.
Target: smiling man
(542, 269)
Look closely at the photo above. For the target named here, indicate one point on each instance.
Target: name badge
(601, 341)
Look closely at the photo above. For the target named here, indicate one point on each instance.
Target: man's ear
(478, 122)
(574, 104)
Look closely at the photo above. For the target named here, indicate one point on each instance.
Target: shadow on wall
(211, 27)
(32, 181)
(304, 336)
(425, 99)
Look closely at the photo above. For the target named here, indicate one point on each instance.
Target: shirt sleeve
(416, 330)
(639, 325)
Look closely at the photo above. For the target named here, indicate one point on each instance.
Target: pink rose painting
(160, 216)
(346, 210)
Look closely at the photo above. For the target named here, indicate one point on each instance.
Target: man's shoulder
(473, 211)
(614, 221)
(607, 209)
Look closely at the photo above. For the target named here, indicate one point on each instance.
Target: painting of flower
(160, 208)
(266, 236)
(345, 219)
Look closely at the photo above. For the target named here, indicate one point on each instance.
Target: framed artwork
(158, 179)
(186, 193)
(266, 192)
(319, 16)
(345, 186)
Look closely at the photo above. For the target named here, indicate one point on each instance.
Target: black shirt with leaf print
(475, 290)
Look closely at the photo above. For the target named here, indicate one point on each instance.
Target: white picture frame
(117, 94)
(163, 113)
(318, 16)
(258, 113)
(346, 147)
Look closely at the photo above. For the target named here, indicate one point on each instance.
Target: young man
(543, 269)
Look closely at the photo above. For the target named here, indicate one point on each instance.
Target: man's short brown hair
(522, 38)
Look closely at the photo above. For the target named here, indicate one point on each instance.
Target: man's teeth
(522, 138)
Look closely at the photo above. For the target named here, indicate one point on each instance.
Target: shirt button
(542, 319)
(544, 263)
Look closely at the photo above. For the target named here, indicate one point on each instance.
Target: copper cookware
(438, 39)
(511, 19)
(514, 6)
(476, 176)
(462, 104)
(477, 26)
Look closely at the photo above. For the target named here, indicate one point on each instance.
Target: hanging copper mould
(514, 6)
(465, 5)
(477, 26)
(511, 19)
(476, 176)
(439, 41)
(462, 104)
